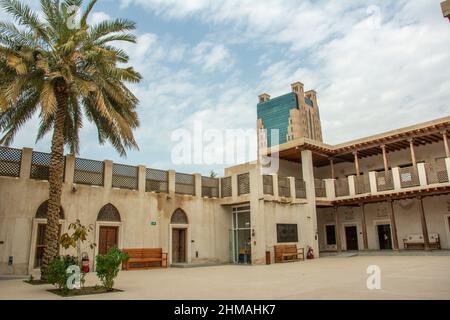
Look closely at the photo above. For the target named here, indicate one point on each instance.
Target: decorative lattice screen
(436, 172)
(10, 160)
(185, 184)
(89, 172)
(125, 177)
(284, 187)
(243, 184)
(321, 191)
(226, 187)
(268, 184)
(385, 181)
(40, 165)
(300, 189)
(156, 180)
(362, 184)
(341, 187)
(210, 187)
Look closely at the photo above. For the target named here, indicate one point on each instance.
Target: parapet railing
(107, 174)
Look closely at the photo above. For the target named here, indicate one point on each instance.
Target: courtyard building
(390, 191)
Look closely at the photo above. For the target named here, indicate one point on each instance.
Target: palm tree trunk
(51, 240)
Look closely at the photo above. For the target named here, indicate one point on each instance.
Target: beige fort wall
(407, 216)
(209, 222)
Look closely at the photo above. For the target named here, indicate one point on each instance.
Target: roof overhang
(395, 140)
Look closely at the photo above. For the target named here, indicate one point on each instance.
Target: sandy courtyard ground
(419, 277)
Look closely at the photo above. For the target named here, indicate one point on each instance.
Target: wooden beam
(447, 149)
(423, 221)
(364, 227)
(385, 160)
(355, 154)
(393, 224)
(338, 229)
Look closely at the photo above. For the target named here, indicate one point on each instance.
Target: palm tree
(65, 72)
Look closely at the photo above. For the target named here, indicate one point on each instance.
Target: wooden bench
(417, 242)
(288, 253)
(141, 259)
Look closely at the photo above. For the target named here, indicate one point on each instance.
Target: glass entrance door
(242, 235)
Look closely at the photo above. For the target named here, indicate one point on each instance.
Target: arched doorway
(39, 231)
(179, 230)
(108, 228)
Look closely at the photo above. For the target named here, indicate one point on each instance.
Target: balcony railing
(156, 180)
(385, 181)
(362, 184)
(268, 185)
(210, 187)
(321, 191)
(436, 172)
(185, 184)
(125, 176)
(226, 187)
(284, 187)
(341, 187)
(40, 165)
(243, 184)
(409, 177)
(300, 189)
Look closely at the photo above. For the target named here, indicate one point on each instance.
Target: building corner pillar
(308, 176)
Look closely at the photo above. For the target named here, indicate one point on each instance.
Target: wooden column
(338, 229)
(413, 153)
(393, 224)
(356, 163)
(385, 160)
(424, 224)
(364, 226)
(447, 150)
(332, 169)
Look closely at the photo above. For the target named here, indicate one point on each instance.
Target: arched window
(109, 213)
(42, 211)
(179, 217)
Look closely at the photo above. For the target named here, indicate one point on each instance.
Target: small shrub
(108, 267)
(57, 271)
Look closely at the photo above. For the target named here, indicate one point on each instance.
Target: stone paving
(343, 278)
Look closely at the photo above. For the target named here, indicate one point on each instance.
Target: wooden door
(179, 245)
(40, 246)
(384, 237)
(108, 239)
(351, 236)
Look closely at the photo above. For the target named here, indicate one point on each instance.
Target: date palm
(64, 72)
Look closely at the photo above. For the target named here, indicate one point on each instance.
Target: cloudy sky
(376, 65)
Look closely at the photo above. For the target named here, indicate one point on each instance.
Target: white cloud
(97, 17)
(212, 57)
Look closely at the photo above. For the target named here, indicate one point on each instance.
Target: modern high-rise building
(293, 116)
